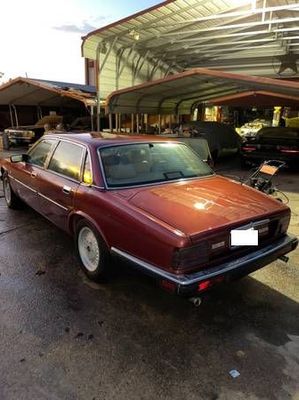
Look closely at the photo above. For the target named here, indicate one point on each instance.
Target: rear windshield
(148, 163)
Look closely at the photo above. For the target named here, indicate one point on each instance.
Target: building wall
(122, 72)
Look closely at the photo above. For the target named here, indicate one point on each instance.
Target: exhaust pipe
(196, 301)
(284, 258)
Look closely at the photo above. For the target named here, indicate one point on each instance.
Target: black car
(272, 143)
(223, 140)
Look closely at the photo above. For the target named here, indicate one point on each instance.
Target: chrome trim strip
(52, 201)
(193, 278)
(23, 184)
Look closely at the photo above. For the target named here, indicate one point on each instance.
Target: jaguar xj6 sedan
(151, 201)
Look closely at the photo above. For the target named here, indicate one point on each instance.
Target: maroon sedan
(151, 201)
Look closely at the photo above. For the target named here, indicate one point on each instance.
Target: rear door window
(39, 154)
(67, 160)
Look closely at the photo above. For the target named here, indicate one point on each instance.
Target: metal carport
(42, 93)
(176, 94)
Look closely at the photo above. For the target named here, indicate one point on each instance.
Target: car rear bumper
(289, 158)
(241, 266)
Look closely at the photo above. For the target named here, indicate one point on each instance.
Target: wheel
(92, 251)
(12, 200)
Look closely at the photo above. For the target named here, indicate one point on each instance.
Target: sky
(42, 39)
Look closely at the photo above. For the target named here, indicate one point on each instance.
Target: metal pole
(11, 116)
(137, 122)
(116, 122)
(110, 122)
(146, 122)
(159, 124)
(132, 123)
(91, 117)
(119, 121)
(16, 114)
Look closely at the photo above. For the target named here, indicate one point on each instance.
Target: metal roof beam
(246, 13)
(237, 33)
(232, 26)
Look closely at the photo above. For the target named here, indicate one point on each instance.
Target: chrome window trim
(86, 151)
(107, 187)
(81, 160)
(49, 154)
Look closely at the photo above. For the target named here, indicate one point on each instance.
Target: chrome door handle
(67, 189)
(33, 174)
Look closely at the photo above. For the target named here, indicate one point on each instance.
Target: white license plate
(248, 237)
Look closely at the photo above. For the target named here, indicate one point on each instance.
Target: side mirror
(19, 158)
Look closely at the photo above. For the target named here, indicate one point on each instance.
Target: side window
(67, 160)
(87, 174)
(39, 153)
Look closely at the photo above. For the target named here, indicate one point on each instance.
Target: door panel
(56, 197)
(60, 181)
(25, 183)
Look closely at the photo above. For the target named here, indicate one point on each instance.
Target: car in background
(272, 143)
(251, 128)
(82, 124)
(25, 135)
(223, 140)
(151, 201)
(199, 145)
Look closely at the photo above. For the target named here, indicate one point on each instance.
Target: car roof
(99, 139)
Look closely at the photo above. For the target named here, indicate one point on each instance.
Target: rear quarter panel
(125, 228)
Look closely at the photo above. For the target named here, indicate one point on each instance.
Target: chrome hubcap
(7, 191)
(88, 249)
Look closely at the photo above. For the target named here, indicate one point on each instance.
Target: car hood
(200, 205)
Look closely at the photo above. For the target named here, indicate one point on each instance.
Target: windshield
(146, 163)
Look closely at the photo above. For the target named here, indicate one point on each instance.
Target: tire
(11, 199)
(92, 252)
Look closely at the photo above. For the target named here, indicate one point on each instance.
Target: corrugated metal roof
(245, 36)
(178, 93)
(26, 91)
(67, 86)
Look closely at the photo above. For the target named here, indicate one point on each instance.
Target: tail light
(248, 148)
(207, 284)
(191, 256)
(289, 149)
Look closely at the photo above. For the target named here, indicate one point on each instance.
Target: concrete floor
(63, 337)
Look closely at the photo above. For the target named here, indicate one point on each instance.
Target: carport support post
(119, 121)
(116, 122)
(10, 114)
(137, 123)
(159, 124)
(146, 122)
(132, 123)
(110, 122)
